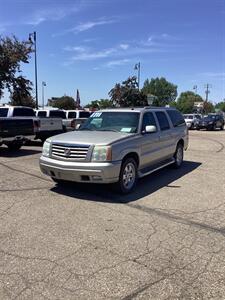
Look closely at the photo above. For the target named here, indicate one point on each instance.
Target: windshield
(209, 117)
(113, 121)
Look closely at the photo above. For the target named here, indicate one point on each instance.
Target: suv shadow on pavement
(145, 186)
(5, 152)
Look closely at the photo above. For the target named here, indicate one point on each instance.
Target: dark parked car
(211, 122)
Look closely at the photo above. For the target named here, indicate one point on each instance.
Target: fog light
(96, 178)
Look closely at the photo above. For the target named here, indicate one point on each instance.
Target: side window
(163, 121)
(148, 119)
(23, 112)
(3, 112)
(42, 114)
(176, 117)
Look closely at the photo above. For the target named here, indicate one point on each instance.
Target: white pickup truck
(46, 127)
(75, 117)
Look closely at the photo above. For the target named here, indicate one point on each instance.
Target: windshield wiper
(114, 130)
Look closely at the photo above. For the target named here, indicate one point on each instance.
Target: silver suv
(117, 146)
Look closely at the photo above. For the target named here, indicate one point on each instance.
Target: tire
(222, 127)
(14, 146)
(178, 156)
(128, 176)
(214, 127)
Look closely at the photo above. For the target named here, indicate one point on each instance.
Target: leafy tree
(220, 106)
(64, 102)
(127, 94)
(208, 107)
(185, 102)
(12, 54)
(100, 104)
(164, 91)
(21, 95)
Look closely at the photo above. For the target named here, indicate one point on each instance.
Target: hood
(90, 137)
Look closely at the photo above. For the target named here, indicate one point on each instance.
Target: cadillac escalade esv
(117, 146)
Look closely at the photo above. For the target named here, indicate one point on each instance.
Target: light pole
(138, 68)
(43, 95)
(33, 34)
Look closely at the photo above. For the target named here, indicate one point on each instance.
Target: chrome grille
(70, 152)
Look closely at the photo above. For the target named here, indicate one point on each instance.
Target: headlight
(46, 149)
(102, 153)
(210, 123)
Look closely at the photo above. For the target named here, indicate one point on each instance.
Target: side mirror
(150, 129)
(78, 126)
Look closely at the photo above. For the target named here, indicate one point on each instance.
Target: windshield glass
(113, 121)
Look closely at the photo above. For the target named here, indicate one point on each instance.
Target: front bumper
(92, 172)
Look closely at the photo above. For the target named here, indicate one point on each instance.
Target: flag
(78, 99)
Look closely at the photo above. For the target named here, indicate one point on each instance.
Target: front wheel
(179, 156)
(14, 146)
(128, 176)
(222, 127)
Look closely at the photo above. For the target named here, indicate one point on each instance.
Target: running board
(151, 169)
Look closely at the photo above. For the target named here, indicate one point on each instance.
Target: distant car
(192, 120)
(211, 122)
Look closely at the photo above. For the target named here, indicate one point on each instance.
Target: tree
(164, 91)
(185, 102)
(21, 95)
(208, 107)
(220, 106)
(127, 94)
(100, 104)
(64, 102)
(12, 54)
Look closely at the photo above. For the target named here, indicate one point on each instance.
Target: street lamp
(33, 41)
(43, 97)
(138, 68)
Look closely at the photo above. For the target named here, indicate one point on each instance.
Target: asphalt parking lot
(164, 241)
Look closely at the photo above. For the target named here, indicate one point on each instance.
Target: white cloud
(87, 55)
(124, 46)
(87, 26)
(115, 63)
(50, 14)
(75, 49)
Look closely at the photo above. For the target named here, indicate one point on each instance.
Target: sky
(91, 45)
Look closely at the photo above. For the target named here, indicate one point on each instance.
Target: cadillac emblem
(67, 152)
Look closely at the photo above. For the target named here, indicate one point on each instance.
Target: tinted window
(163, 121)
(126, 122)
(3, 112)
(176, 117)
(42, 114)
(84, 114)
(57, 114)
(148, 119)
(72, 115)
(23, 112)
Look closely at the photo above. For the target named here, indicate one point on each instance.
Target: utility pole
(33, 34)
(43, 95)
(207, 91)
(138, 68)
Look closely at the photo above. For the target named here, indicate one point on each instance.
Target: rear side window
(72, 115)
(23, 112)
(163, 121)
(176, 117)
(148, 119)
(57, 114)
(4, 112)
(42, 114)
(84, 114)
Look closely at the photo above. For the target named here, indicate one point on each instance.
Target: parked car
(56, 114)
(211, 122)
(15, 131)
(192, 120)
(75, 117)
(45, 127)
(117, 146)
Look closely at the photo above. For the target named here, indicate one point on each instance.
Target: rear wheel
(128, 176)
(179, 156)
(14, 146)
